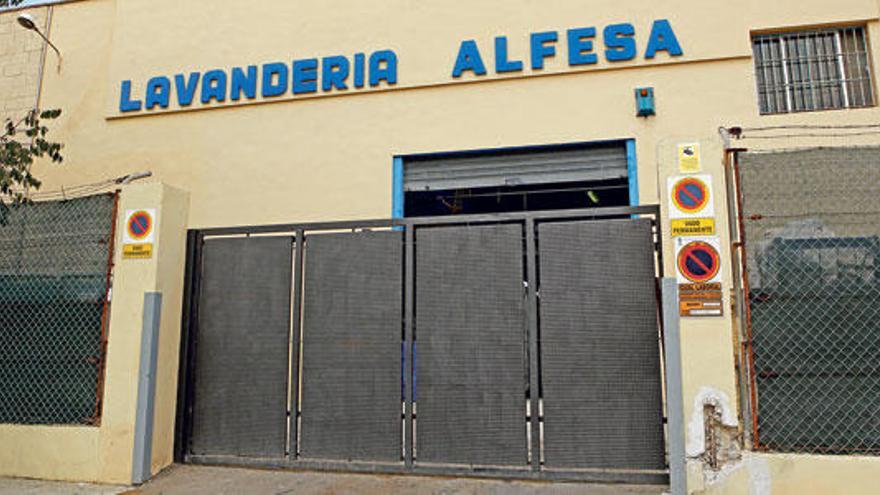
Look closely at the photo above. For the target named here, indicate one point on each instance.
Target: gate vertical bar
(182, 424)
(295, 349)
(739, 290)
(409, 366)
(189, 336)
(674, 395)
(532, 311)
(748, 348)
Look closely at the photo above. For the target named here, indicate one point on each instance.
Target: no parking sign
(690, 197)
(698, 269)
(139, 234)
(699, 261)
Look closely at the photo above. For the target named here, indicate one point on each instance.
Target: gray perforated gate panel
(352, 331)
(240, 403)
(470, 334)
(600, 345)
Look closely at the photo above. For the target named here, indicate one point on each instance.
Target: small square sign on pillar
(139, 234)
(691, 205)
(689, 158)
(698, 269)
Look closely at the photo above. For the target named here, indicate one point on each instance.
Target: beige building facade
(279, 112)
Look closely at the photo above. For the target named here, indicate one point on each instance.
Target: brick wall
(20, 53)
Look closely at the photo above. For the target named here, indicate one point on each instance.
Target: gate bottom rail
(621, 476)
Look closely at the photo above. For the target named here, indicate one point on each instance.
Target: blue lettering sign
(126, 104)
(158, 92)
(469, 59)
(186, 90)
(275, 77)
(343, 72)
(383, 67)
(214, 86)
(580, 46)
(502, 62)
(334, 72)
(662, 39)
(619, 42)
(540, 50)
(359, 69)
(305, 76)
(243, 83)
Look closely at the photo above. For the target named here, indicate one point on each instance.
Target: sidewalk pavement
(205, 480)
(17, 486)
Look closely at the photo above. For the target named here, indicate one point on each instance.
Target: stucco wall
(20, 55)
(330, 156)
(786, 474)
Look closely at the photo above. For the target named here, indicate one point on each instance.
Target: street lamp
(27, 21)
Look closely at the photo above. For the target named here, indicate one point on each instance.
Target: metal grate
(470, 331)
(53, 289)
(242, 347)
(600, 345)
(813, 70)
(352, 330)
(812, 228)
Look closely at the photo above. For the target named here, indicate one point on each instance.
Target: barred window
(804, 71)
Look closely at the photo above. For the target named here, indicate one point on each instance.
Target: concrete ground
(204, 480)
(15, 486)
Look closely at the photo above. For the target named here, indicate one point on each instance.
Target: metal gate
(515, 345)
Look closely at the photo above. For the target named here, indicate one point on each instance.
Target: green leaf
(16, 156)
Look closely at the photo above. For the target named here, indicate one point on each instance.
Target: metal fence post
(674, 396)
(296, 329)
(409, 370)
(143, 426)
(534, 361)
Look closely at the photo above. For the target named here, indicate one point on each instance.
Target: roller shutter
(516, 167)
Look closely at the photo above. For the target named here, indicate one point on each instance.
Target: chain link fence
(53, 307)
(811, 222)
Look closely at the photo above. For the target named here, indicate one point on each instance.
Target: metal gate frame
(529, 221)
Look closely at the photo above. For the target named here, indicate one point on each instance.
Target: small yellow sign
(682, 227)
(137, 251)
(689, 158)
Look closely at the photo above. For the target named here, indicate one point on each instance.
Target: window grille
(813, 70)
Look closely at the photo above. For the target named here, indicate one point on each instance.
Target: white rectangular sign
(698, 260)
(690, 196)
(140, 226)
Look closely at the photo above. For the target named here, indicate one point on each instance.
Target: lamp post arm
(58, 52)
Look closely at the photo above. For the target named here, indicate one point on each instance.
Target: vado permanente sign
(360, 71)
